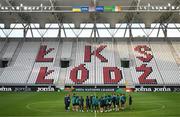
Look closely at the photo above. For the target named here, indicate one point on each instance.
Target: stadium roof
(131, 11)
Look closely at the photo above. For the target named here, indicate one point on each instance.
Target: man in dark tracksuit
(88, 104)
(96, 104)
(81, 104)
(117, 102)
(67, 101)
(114, 101)
(91, 106)
(74, 102)
(130, 101)
(102, 103)
(123, 101)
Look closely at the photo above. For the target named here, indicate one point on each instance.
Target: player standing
(106, 103)
(67, 102)
(91, 106)
(77, 103)
(88, 104)
(74, 102)
(93, 103)
(81, 104)
(114, 101)
(101, 100)
(130, 101)
(123, 101)
(117, 102)
(109, 103)
(96, 104)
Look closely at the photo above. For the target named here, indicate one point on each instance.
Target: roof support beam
(52, 2)
(129, 17)
(58, 18)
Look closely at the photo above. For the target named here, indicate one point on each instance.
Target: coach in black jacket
(67, 102)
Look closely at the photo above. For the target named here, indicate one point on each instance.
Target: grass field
(50, 104)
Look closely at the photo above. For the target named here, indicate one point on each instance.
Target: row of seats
(15, 75)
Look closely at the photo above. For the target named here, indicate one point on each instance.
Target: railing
(69, 9)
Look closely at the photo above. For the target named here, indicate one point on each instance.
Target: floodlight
(29, 8)
(25, 7)
(157, 8)
(2, 8)
(49, 8)
(6, 8)
(17, 8)
(33, 8)
(45, 8)
(37, 8)
(140, 8)
(169, 4)
(12, 8)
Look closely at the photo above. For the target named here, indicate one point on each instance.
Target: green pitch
(50, 104)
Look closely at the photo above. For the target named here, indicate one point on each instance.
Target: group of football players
(106, 103)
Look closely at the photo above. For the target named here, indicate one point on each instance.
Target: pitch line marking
(42, 102)
(28, 106)
(162, 107)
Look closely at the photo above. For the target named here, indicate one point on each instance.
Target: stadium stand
(168, 67)
(20, 71)
(91, 63)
